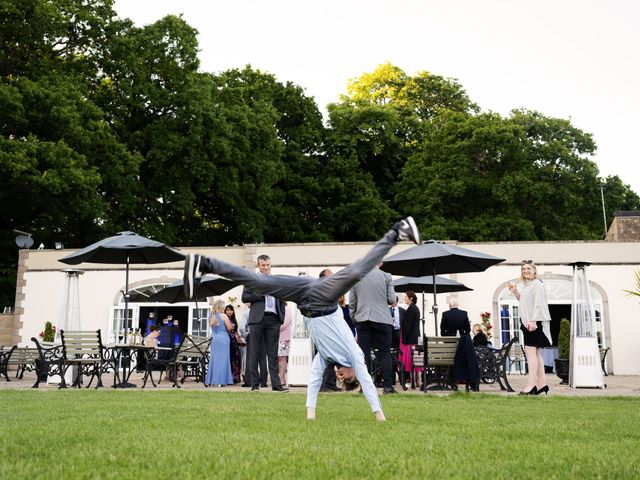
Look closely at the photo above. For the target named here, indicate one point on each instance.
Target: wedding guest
(234, 346)
(479, 337)
(283, 345)
(219, 372)
(535, 321)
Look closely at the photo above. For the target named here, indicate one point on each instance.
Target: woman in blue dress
(219, 372)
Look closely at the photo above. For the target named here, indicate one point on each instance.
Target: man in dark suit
(265, 317)
(369, 302)
(454, 321)
(397, 314)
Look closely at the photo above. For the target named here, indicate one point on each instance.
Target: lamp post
(604, 212)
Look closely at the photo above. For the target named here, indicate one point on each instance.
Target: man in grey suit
(265, 317)
(369, 302)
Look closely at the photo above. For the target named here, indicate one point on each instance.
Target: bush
(564, 339)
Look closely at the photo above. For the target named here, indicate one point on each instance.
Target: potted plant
(48, 335)
(564, 351)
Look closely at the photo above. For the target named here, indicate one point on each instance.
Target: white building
(41, 297)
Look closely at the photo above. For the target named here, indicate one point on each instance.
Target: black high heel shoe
(533, 391)
(544, 390)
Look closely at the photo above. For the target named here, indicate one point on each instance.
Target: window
(117, 324)
(200, 322)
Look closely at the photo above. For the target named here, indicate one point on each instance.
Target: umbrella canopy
(425, 284)
(434, 257)
(125, 248)
(210, 285)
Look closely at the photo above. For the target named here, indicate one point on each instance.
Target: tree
(486, 178)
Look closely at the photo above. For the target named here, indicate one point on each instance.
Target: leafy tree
(382, 121)
(484, 177)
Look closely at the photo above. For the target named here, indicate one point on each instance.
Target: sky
(571, 59)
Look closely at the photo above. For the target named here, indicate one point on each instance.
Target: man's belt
(311, 314)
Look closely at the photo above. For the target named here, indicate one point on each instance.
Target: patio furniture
(516, 355)
(439, 354)
(193, 357)
(492, 364)
(24, 359)
(5, 356)
(82, 349)
(50, 361)
(603, 356)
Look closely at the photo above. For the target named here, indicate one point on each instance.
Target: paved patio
(617, 385)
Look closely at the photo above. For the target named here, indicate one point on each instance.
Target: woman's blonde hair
(216, 307)
(533, 265)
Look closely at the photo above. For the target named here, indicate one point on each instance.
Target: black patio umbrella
(434, 257)
(125, 248)
(210, 285)
(425, 285)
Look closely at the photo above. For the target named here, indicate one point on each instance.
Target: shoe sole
(415, 233)
(189, 276)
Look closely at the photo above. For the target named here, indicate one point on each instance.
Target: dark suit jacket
(256, 314)
(410, 325)
(453, 321)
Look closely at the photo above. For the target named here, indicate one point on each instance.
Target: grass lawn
(205, 434)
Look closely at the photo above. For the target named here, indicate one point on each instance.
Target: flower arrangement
(49, 333)
(234, 301)
(486, 324)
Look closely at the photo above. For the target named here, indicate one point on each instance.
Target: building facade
(43, 289)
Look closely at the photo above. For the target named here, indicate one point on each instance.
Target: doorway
(558, 312)
(178, 313)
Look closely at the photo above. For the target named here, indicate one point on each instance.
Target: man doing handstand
(317, 300)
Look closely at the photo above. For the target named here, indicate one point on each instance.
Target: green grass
(205, 434)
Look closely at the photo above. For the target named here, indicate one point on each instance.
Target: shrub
(564, 339)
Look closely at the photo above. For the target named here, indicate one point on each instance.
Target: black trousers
(267, 331)
(378, 334)
(262, 363)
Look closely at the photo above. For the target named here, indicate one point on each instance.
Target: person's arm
(313, 387)
(514, 289)
(467, 323)
(353, 303)
(391, 293)
(442, 324)
(366, 383)
(227, 322)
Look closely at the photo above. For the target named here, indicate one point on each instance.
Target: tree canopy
(106, 126)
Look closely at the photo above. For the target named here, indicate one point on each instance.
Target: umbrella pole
(435, 303)
(126, 301)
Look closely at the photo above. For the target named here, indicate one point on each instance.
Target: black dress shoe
(280, 389)
(263, 385)
(389, 390)
(255, 389)
(245, 384)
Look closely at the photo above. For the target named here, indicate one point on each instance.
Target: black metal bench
(492, 364)
(193, 357)
(24, 360)
(50, 361)
(5, 357)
